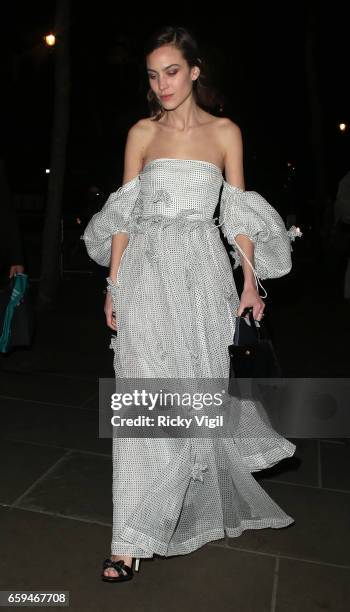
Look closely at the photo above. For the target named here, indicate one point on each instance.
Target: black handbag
(252, 356)
(16, 314)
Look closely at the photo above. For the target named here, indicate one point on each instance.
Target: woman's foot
(110, 571)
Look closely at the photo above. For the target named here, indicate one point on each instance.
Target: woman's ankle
(126, 558)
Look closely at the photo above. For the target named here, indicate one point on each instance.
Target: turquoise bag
(15, 312)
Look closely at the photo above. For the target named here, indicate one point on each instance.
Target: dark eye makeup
(151, 76)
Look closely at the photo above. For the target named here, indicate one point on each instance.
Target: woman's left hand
(251, 298)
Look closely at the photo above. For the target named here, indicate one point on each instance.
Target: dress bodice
(179, 194)
(171, 187)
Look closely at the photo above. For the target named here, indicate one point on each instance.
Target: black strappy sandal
(119, 566)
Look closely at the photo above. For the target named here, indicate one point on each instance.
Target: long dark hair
(205, 94)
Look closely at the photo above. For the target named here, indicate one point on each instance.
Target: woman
(172, 298)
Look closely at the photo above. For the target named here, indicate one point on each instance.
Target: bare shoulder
(141, 130)
(230, 137)
(139, 135)
(229, 132)
(227, 135)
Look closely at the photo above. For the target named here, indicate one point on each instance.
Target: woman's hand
(110, 314)
(18, 269)
(251, 298)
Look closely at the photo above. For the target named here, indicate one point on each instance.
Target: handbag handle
(252, 320)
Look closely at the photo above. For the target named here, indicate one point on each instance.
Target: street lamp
(50, 40)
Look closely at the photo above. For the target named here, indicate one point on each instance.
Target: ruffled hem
(267, 459)
(137, 544)
(159, 510)
(140, 545)
(217, 534)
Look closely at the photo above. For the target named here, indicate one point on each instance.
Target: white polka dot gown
(175, 301)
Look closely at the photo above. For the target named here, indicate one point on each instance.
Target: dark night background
(257, 55)
(55, 469)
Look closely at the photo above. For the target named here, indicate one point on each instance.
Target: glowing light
(343, 127)
(50, 40)
(47, 171)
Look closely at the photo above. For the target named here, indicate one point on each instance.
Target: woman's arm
(133, 160)
(119, 243)
(234, 173)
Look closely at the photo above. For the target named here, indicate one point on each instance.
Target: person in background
(11, 253)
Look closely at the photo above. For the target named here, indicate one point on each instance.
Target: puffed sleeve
(248, 213)
(116, 216)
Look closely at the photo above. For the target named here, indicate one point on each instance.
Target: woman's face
(170, 76)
